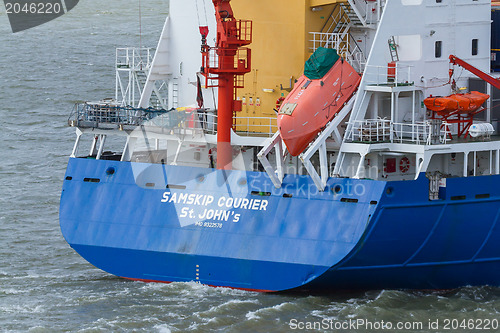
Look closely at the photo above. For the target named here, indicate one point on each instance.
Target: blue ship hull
(155, 222)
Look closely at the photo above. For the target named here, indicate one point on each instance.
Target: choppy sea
(46, 287)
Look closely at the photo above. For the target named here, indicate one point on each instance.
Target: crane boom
(479, 73)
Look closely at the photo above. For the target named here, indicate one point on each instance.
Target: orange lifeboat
(463, 103)
(328, 82)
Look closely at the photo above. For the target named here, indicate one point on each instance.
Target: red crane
(225, 64)
(482, 75)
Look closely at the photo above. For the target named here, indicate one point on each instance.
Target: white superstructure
(393, 109)
(384, 132)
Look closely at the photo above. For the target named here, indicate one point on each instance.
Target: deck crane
(223, 66)
(482, 75)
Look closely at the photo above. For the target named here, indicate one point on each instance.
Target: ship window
(69, 178)
(474, 46)
(458, 197)
(349, 200)
(438, 1)
(482, 196)
(438, 49)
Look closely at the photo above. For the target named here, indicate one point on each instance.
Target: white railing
(251, 125)
(332, 40)
(345, 45)
(388, 76)
(418, 133)
(370, 130)
(245, 126)
(383, 130)
(358, 61)
(134, 58)
(109, 112)
(205, 121)
(93, 115)
(445, 133)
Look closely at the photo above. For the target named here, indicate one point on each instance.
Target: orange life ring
(404, 165)
(279, 101)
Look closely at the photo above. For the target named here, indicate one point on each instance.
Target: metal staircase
(336, 33)
(353, 14)
(140, 77)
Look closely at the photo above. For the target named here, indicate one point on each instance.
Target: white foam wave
(163, 328)
(12, 291)
(25, 308)
(39, 329)
(278, 308)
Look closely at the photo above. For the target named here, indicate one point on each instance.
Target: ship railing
(383, 130)
(136, 58)
(344, 43)
(392, 75)
(445, 133)
(248, 126)
(370, 131)
(333, 40)
(418, 133)
(210, 61)
(357, 60)
(92, 115)
(243, 126)
(181, 121)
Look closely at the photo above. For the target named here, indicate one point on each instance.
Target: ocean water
(46, 287)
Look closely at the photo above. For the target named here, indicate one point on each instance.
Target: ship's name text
(207, 199)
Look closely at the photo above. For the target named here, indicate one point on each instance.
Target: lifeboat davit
(328, 82)
(463, 103)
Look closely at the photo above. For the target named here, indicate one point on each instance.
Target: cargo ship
(296, 150)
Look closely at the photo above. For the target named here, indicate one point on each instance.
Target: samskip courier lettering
(207, 199)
